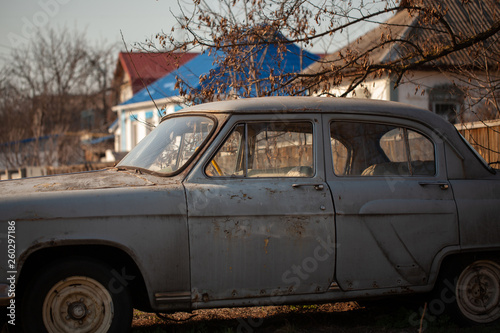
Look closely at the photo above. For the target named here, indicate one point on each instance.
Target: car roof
(291, 104)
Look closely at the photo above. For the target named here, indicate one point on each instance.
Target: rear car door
(260, 214)
(394, 207)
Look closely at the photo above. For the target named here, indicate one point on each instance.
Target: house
(136, 70)
(138, 115)
(459, 86)
(436, 85)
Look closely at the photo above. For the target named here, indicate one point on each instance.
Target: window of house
(266, 149)
(448, 111)
(446, 101)
(368, 149)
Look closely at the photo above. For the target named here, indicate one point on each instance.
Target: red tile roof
(144, 68)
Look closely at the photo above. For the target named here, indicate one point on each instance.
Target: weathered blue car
(254, 202)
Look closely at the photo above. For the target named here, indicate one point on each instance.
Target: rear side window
(265, 149)
(371, 149)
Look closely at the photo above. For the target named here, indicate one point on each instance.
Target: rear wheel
(470, 291)
(477, 292)
(76, 295)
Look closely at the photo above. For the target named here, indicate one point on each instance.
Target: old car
(278, 200)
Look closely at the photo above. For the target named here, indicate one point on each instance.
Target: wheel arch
(112, 254)
(449, 257)
(467, 257)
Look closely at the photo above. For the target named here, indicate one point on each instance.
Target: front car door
(394, 207)
(260, 213)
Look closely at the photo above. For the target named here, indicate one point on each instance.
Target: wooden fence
(22, 172)
(484, 136)
(44, 171)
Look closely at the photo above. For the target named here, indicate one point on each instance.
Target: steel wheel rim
(78, 304)
(478, 292)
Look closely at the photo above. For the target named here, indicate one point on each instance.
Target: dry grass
(346, 317)
(253, 319)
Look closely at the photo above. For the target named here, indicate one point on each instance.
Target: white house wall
(415, 89)
(412, 90)
(126, 91)
(170, 108)
(376, 88)
(138, 124)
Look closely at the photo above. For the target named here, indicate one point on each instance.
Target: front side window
(369, 149)
(169, 146)
(265, 149)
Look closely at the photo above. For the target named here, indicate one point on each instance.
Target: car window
(229, 159)
(370, 149)
(265, 149)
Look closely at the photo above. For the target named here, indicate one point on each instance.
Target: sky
(103, 21)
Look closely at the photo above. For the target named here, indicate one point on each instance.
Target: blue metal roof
(294, 60)
(165, 87)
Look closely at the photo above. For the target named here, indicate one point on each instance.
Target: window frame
(246, 123)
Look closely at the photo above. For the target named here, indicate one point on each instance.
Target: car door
(259, 212)
(394, 207)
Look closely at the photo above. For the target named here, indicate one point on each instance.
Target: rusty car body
(279, 200)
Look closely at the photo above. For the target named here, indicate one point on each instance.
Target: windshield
(170, 146)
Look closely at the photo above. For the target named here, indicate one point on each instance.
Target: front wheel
(76, 295)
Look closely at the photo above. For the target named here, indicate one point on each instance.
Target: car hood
(96, 194)
(91, 180)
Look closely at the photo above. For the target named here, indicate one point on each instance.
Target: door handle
(442, 185)
(318, 187)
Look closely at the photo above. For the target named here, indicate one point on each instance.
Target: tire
(475, 291)
(76, 294)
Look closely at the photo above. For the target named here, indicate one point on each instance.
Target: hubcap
(78, 304)
(478, 291)
(77, 310)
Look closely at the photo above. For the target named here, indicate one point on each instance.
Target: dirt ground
(348, 317)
